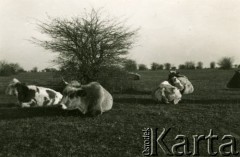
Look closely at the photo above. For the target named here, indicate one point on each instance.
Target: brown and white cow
(90, 99)
(167, 93)
(181, 82)
(33, 96)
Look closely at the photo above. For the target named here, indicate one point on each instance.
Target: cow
(90, 99)
(181, 82)
(167, 93)
(31, 95)
(134, 76)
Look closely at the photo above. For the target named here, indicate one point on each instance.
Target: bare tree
(87, 44)
(225, 63)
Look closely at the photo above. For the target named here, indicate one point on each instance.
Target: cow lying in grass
(167, 93)
(90, 99)
(181, 82)
(33, 96)
(134, 76)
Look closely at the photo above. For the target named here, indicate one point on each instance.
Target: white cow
(31, 95)
(91, 98)
(167, 93)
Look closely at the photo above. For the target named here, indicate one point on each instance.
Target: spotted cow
(31, 95)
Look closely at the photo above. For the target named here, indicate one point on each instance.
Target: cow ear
(81, 93)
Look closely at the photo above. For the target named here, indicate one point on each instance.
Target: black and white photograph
(127, 78)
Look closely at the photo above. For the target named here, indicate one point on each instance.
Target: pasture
(54, 132)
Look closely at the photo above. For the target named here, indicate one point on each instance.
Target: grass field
(53, 132)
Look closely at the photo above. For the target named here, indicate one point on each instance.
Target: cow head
(173, 74)
(173, 79)
(24, 94)
(73, 95)
(12, 87)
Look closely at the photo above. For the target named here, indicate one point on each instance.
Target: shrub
(130, 65)
(7, 69)
(225, 63)
(212, 65)
(181, 66)
(200, 65)
(142, 67)
(190, 65)
(167, 66)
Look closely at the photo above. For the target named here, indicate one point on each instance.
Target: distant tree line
(7, 69)
(223, 63)
(49, 70)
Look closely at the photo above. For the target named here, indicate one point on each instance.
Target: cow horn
(65, 82)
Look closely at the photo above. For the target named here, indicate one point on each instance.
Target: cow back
(97, 98)
(188, 87)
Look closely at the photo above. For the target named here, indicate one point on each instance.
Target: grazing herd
(92, 98)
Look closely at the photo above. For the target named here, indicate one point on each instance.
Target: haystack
(235, 80)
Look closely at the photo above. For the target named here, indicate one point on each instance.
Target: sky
(172, 31)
